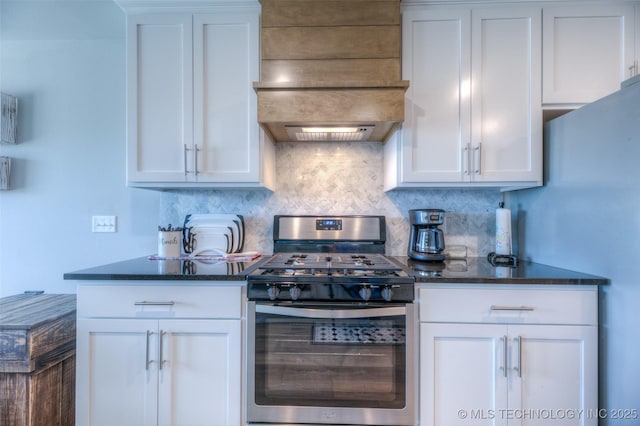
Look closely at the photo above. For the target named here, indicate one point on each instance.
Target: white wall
(65, 61)
(587, 218)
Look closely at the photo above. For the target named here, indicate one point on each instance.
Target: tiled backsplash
(342, 178)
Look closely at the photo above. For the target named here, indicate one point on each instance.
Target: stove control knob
(365, 293)
(295, 292)
(387, 293)
(273, 292)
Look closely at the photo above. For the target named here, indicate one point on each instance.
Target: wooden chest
(37, 360)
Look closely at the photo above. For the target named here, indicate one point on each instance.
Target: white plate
(210, 243)
(227, 229)
(222, 228)
(236, 222)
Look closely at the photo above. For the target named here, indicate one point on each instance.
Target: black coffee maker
(426, 241)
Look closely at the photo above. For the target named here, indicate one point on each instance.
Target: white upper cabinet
(436, 59)
(588, 51)
(506, 134)
(159, 97)
(226, 133)
(636, 69)
(191, 106)
(473, 112)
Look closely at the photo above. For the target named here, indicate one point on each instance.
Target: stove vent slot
(328, 133)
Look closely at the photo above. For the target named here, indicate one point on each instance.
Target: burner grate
(331, 262)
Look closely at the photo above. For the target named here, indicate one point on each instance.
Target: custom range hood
(330, 70)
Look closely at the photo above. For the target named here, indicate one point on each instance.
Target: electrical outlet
(103, 224)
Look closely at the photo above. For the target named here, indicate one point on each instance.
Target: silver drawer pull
(145, 303)
(512, 308)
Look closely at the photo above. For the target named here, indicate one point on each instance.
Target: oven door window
(332, 356)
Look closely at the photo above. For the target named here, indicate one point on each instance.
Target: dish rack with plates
(213, 234)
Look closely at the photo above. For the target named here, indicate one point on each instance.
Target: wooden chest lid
(36, 331)
(26, 311)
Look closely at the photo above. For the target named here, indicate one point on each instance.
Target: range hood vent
(331, 65)
(329, 133)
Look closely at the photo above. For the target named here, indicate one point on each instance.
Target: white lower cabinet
(512, 357)
(158, 359)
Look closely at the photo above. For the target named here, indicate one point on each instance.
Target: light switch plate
(103, 224)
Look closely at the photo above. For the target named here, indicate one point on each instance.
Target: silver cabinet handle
(466, 158)
(633, 69)
(145, 303)
(518, 367)
(512, 308)
(331, 314)
(504, 355)
(477, 159)
(195, 167)
(185, 153)
(160, 357)
(147, 361)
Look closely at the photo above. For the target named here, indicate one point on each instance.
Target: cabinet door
(436, 130)
(553, 370)
(159, 97)
(116, 372)
(462, 374)
(636, 62)
(473, 110)
(227, 139)
(200, 372)
(587, 51)
(506, 141)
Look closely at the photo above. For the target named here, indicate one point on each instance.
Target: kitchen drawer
(159, 301)
(480, 304)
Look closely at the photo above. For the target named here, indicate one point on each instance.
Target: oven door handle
(390, 311)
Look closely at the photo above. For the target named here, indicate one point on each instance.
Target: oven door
(331, 364)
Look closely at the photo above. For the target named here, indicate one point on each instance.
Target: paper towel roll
(503, 230)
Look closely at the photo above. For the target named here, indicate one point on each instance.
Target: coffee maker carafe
(426, 241)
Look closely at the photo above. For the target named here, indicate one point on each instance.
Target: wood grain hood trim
(283, 105)
(330, 63)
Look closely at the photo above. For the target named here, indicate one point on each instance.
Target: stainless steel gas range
(331, 327)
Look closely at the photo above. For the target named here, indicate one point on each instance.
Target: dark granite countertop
(470, 271)
(478, 270)
(143, 268)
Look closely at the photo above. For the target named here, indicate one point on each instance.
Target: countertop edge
(145, 269)
(526, 272)
(508, 281)
(477, 270)
(79, 276)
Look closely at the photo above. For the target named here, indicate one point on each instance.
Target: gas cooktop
(330, 264)
(312, 262)
(330, 276)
